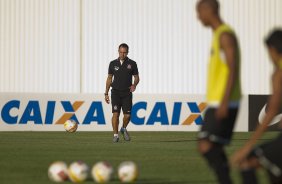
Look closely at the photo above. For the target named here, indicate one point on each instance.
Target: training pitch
(162, 157)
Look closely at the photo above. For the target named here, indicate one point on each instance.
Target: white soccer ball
(58, 171)
(127, 172)
(78, 171)
(102, 172)
(70, 125)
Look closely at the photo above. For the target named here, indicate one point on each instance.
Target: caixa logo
(159, 113)
(32, 112)
(15, 112)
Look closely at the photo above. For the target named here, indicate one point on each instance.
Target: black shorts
(121, 99)
(218, 131)
(269, 155)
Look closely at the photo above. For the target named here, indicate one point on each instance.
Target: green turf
(162, 157)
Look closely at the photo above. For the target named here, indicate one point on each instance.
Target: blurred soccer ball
(70, 125)
(78, 171)
(102, 172)
(58, 171)
(127, 172)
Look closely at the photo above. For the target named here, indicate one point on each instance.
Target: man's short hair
(214, 4)
(123, 45)
(275, 40)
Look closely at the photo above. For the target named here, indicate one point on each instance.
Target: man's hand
(239, 156)
(132, 88)
(222, 111)
(107, 98)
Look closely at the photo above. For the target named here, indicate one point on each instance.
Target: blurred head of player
(123, 51)
(208, 11)
(274, 45)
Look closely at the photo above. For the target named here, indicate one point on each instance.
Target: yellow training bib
(218, 71)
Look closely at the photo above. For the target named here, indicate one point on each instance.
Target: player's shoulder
(227, 33)
(114, 61)
(131, 61)
(228, 37)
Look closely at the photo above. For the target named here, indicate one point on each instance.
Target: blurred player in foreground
(268, 155)
(223, 90)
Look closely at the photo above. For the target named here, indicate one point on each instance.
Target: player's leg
(115, 123)
(274, 179)
(126, 108)
(269, 157)
(116, 107)
(126, 119)
(216, 158)
(248, 170)
(123, 130)
(213, 136)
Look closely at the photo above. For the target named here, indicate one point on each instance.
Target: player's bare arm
(274, 103)
(108, 85)
(135, 83)
(229, 47)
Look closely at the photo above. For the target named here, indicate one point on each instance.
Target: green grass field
(162, 157)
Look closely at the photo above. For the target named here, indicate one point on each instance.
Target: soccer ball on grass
(78, 171)
(58, 172)
(70, 125)
(127, 172)
(102, 172)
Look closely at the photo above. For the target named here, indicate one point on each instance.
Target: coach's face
(122, 53)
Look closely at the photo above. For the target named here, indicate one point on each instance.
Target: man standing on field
(119, 78)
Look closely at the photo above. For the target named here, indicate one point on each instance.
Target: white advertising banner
(150, 112)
